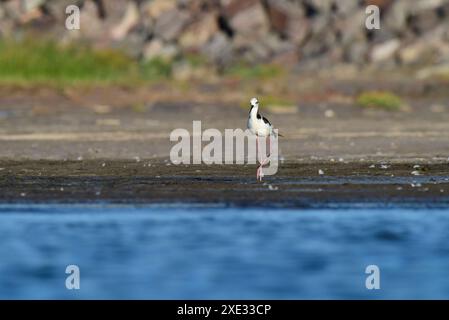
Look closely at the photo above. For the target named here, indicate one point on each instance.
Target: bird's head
(254, 102)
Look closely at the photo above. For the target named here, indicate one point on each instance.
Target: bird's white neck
(254, 110)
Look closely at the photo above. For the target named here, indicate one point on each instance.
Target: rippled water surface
(193, 252)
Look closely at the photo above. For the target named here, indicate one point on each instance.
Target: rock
(170, 24)
(31, 5)
(382, 4)
(91, 26)
(445, 36)
(133, 45)
(251, 21)
(396, 17)
(158, 49)
(321, 40)
(199, 32)
(56, 9)
(12, 9)
(198, 6)
(265, 49)
(351, 29)
(346, 8)
(419, 6)
(233, 7)
(130, 20)
(275, 44)
(385, 51)
(423, 21)
(288, 19)
(6, 25)
(356, 53)
(279, 13)
(315, 6)
(218, 50)
(251, 51)
(314, 33)
(410, 54)
(156, 8)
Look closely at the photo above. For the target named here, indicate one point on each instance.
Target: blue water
(193, 252)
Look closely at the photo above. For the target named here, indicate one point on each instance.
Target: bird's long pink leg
(269, 153)
(257, 157)
(260, 174)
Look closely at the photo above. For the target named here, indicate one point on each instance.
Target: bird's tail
(276, 133)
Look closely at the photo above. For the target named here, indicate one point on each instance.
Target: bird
(261, 127)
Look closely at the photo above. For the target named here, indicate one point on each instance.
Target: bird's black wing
(266, 120)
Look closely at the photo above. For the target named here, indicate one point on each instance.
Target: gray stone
(250, 22)
(287, 18)
(199, 32)
(218, 50)
(158, 49)
(170, 24)
(385, 51)
(30, 5)
(130, 20)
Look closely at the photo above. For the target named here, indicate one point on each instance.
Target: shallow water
(204, 252)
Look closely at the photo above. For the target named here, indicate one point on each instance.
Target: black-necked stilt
(261, 127)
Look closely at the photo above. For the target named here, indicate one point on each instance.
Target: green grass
(30, 62)
(35, 62)
(380, 99)
(155, 69)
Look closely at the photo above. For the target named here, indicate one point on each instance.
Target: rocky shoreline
(301, 33)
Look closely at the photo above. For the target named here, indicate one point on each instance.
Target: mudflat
(297, 184)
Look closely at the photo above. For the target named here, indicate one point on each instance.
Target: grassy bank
(33, 62)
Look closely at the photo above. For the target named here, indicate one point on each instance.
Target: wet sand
(297, 184)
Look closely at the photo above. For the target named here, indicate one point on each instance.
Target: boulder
(199, 32)
(396, 18)
(170, 24)
(247, 17)
(156, 8)
(158, 49)
(346, 8)
(423, 21)
(218, 50)
(12, 9)
(385, 51)
(31, 5)
(315, 32)
(129, 21)
(288, 20)
(232, 7)
(356, 53)
(91, 26)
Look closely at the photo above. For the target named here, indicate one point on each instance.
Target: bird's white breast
(258, 127)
